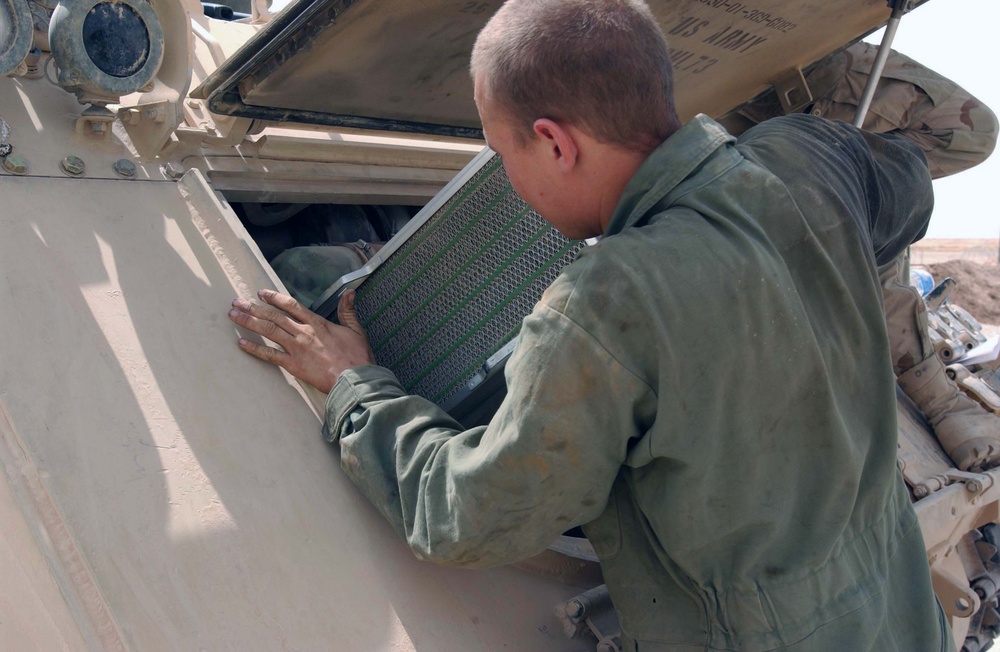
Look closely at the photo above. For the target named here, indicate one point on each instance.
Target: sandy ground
(973, 263)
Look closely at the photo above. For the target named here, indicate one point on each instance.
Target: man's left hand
(315, 350)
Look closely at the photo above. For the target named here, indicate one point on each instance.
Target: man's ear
(559, 140)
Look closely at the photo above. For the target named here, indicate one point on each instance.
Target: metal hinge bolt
(73, 166)
(16, 164)
(124, 168)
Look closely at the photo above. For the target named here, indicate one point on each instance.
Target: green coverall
(708, 391)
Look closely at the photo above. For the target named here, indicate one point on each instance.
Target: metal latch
(793, 91)
(975, 483)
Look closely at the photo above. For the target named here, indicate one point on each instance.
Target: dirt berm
(978, 289)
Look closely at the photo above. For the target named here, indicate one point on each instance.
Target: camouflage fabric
(905, 316)
(953, 129)
(708, 392)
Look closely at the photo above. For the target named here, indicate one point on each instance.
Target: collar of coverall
(669, 164)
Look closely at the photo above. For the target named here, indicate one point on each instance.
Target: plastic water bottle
(922, 280)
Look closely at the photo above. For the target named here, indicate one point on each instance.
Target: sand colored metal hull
(163, 491)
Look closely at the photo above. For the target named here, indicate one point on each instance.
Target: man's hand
(315, 350)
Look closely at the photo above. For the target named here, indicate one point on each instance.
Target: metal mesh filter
(455, 292)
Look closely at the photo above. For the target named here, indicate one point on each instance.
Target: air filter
(443, 301)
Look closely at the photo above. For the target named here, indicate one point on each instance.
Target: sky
(959, 39)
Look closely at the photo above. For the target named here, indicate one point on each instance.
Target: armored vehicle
(162, 491)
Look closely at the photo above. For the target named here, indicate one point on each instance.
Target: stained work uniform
(708, 392)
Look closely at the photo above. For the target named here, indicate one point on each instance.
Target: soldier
(706, 390)
(955, 131)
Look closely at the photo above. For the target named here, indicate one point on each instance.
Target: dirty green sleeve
(496, 494)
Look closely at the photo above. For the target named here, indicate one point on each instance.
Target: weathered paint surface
(165, 491)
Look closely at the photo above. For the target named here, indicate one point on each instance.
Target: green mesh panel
(456, 291)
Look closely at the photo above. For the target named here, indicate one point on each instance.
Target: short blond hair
(601, 65)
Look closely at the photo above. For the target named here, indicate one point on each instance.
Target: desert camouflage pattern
(954, 129)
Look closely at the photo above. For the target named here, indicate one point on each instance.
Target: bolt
(574, 609)
(173, 170)
(73, 166)
(920, 491)
(124, 168)
(32, 62)
(16, 164)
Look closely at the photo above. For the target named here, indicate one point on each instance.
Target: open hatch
(400, 65)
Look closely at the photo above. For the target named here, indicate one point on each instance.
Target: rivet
(73, 166)
(16, 164)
